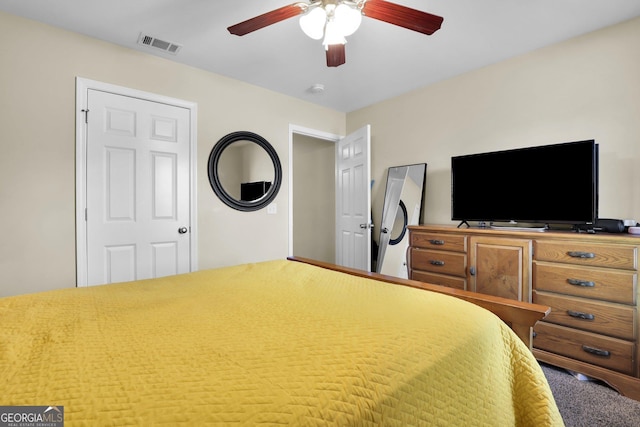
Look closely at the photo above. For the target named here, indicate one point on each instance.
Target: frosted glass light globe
(347, 19)
(313, 22)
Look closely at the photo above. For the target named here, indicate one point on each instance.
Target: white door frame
(82, 86)
(300, 130)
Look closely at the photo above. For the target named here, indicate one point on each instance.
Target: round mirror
(244, 171)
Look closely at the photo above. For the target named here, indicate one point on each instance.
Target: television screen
(250, 191)
(546, 184)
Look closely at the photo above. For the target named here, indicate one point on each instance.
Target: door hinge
(86, 115)
(85, 214)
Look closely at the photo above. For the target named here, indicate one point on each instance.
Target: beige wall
(588, 87)
(584, 88)
(38, 68)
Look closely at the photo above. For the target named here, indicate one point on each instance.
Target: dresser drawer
(603, 284)
(597, 255)
(611, 353)
(443, 242)
(604, 318)
(439, 262)
(439, 279)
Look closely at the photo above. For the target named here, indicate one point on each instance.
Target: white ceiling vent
(155, 42)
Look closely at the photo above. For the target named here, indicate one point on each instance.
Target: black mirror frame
(214, 179)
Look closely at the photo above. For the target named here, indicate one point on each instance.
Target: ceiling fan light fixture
(332, 34)
(313, 22)
(334, 20)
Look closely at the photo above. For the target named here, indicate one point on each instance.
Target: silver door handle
(365, 226)
(182, 230)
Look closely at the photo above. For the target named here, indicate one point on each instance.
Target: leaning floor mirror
(403, 204)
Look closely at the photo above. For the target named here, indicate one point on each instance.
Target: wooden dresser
(590, 281)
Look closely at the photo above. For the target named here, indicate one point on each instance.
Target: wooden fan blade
(402, 16)
(336, 55)
(267, 19)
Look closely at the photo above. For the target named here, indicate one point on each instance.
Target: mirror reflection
(399, 224)
(245, 171)
(403, 205)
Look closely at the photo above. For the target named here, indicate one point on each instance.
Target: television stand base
(513, 228)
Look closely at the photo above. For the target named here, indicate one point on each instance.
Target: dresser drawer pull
(580, 315)
(436, 242)
(596, 351)
(584, 283)
(579, 254)
(436, 262)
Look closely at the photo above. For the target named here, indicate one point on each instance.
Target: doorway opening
(312, 194)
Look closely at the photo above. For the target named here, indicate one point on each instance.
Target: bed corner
(519, 316)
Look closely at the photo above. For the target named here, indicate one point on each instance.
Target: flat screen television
(250, 191)
(549, 184)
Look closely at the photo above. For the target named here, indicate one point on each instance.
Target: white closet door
(138, 189)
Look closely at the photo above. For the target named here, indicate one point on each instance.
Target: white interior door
(138, 188)
(353, 200)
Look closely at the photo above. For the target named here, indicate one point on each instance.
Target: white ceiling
(383, 60)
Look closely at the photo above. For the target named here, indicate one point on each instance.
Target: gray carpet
(590, 403)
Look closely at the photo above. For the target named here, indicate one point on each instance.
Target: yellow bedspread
(270, 343)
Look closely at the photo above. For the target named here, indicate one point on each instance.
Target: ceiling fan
(336, 19)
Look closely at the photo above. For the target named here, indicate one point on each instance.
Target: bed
(271, 343)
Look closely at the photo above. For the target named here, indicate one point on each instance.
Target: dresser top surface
(620, 238)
